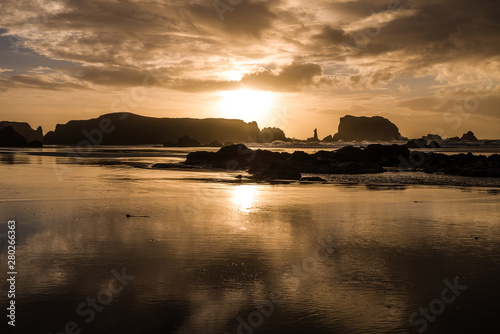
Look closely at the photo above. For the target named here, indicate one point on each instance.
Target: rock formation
(328, 139)
(184, 141)
(25, 130)
(9, 137)
(131, 129)
(314, 138)
(422, 143)
(469, 136)
(462, 164)
(352, 128)
(268, 135)
(432, 137)
(265, 164)
(268, 165)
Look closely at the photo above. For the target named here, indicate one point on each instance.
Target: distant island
(132, 129)
(376, 128)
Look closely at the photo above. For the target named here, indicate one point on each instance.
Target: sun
(247, 105)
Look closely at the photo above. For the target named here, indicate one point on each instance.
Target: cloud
(290, 78)
(334, 44)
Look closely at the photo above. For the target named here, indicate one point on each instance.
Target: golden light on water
(244, 197)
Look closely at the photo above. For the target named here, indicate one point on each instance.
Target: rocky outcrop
(352, 128)
(184, 141)
(9, 137)
(422, 143)
(469, 136)
(268, 135)
(265, 164)
(328, 139)
(312, 179)
(432, 137)
(462, 164)
(314, 138)
(25, 130)
(131, 129)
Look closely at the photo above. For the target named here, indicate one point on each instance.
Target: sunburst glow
(243, 197)
(245, 104)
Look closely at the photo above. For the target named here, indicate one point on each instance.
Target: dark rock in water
(186, 141)
(434, 144)
(267, 165)
(215, 143)
(416, 143)
(200, 158)
(432, 137)
(469, 136)
(349, 153)
(314, 138)
(11, 138)
(386, 155)
(422, 143)
(25, 130)
(313, 179)
(234, 156)
(352, 128)
(35, 143)
(453, 139)
(328, 139)
(229, 157)
(268, 135)
(462, 164)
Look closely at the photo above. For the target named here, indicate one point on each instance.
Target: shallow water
(211, 256)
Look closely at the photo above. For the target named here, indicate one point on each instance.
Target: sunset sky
(428, 66)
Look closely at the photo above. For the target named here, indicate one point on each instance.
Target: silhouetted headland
(25, 130)
(132, 129)
(9, 137)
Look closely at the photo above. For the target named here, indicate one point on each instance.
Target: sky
(428, 66)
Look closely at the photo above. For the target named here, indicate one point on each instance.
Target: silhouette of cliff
(9, 137)
(132, 129)
(25, 130)
(376, 128)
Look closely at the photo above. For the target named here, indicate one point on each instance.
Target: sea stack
(376, 128)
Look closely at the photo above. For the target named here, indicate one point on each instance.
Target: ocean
(107, 244)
